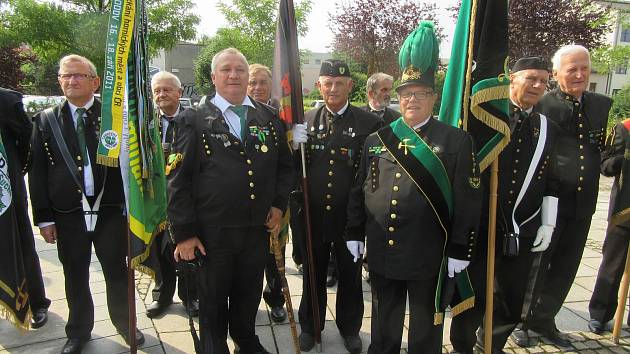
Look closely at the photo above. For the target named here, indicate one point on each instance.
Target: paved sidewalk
(169, 333)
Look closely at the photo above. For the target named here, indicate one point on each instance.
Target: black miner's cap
(334, 67)
(536, 63)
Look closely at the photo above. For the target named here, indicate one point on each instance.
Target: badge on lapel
(173, 161)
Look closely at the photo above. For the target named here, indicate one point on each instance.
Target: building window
(625, 35)
(622, 69)
(592, 86)
(318, 61)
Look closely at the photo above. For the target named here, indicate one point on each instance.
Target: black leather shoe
(522, 338)
(307, 342)
(555, 336)
(353, 344)
(40, 317)
(156, 308)
(192, 307)
(139, 337)
(596, 326)
(278, 314)
(331, 280)
(73, 346)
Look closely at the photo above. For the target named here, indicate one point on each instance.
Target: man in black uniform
(78, 203)
(415, 198)
(336, 133)
(230, 173)
(582, 117)
(15, 133)
(379, 89)
(167, 90)
(605, 295)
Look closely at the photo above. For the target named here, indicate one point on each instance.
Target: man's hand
(356, 248)
(543, 238)
(274, 220)
(456, 266)
(49, 233)
(185, 250)
(299, 135)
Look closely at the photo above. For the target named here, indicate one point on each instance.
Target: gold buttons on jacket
(250, 172)
(332, 162)
(393, 216)
(249, 162)
(328, 207)
(329, 185)
(394, 202)
(328, 196)
(395, 188)
(390, 242)
(330, 173)
(251, 184)
(391, 229)
(252, 197)
(398, 175)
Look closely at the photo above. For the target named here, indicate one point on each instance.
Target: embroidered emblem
(173, 161)
(109, 139)
(403, 144)
(436, 149)
(474, 182)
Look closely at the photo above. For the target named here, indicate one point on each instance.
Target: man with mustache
(379, 89)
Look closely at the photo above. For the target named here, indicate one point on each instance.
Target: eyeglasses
(419, 95)
(78, 77)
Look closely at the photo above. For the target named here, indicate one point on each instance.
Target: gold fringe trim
(7, 313)
(136, 262)
(438, 318)
(463, 306)
(486, 95)
(107, 161)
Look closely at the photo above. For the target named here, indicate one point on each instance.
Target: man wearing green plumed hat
(415, 200)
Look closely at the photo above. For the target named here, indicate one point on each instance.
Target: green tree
(621, 106)
(252, 31)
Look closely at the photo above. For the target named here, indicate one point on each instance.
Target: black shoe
(139, 337)
(353, 344)
(307, 342)
(156, 308)
(331, 280)
(522, 338)
(596, 326)
(73, 346)
(192, 308)
(555, 336)
(278, 314)
(40, 317)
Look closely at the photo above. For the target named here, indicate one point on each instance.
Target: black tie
(379, 113)
(169, 130)
(517, 119)
(81, 134)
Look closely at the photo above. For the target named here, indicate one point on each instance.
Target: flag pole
(299, 115)
(275, 246)
(492, 222)
(623, 295)
(131, 296)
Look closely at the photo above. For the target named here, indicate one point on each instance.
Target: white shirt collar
(528, 111)
(73, 108)
(420, 125)
(342, 110)
(223, 105)
(174, 115)
(374, 109)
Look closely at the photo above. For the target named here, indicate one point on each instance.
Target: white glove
(356, 249)
(299, 135)
(548, 214)
(456, 266)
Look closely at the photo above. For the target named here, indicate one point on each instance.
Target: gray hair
(234, 51)
(256, 68)
(78, 59)
(567, 50)
(376, 79)
(165, 75)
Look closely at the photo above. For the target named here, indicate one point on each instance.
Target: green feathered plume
(419, 54)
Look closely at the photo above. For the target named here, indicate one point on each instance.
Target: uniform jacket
(222, 182)
(51, 184)
(404, 238)
(612, 160)
(514, 163)
(581, 139)
(333, 155)
(389, 116)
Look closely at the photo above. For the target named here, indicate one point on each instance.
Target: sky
(319, 37)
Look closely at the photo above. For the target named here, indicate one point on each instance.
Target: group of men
(404, 187)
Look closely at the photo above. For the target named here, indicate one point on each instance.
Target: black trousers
(74, 247)
(230, 285)
(349, 305)
(561, 261)
(166, 278)
(273, 290)
(604, 300)
(388, 315)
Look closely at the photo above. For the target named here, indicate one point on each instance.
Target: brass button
(332, 162)
(390, 242)
(250, 172)
(249, 162)
(236, 143)
(516, 161)
(393, 216)
(581, 146)
(581, 167)
(330, 173)
(79, 191)
(328, 196)
(391, 229)
(395, 188)
(513, 182)
(581, 136)
(518, 150)
(579, 189)
(581, 178)
(332, 152)
(329, 185)
(394, 202)
(328, 207)
(580, 125)
(398, 175)
(80, 168)
(242, 153)
(252, 197)
(511, 192)
(206, 146)
(79, 158)
(251, 184)
(581, 157)
(514, 171)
